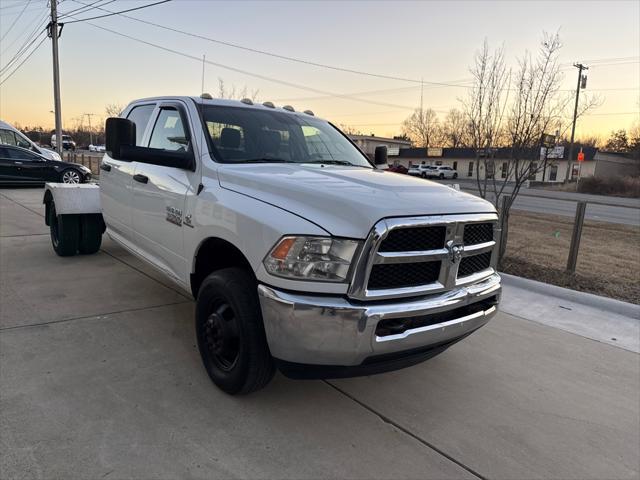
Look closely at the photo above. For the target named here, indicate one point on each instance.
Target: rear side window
(140, 116)
(169, 132)
(7, 137)
(16, 154)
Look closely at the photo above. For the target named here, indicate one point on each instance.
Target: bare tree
(535, 108)
(113, 109)
(235, 93)
(454, 129)
(484, 109)
(350, 130)
(423, 128)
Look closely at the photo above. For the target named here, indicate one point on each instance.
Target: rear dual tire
(71, 234)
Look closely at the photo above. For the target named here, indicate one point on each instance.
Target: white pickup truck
(302, 255)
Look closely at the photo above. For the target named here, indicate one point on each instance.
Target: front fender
(252, 226)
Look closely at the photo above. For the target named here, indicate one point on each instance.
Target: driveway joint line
(424, 442)
(88, 317)
(107, 253)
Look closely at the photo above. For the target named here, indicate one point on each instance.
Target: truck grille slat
(475, 233)
(400, 275)
(474, 264)
(414, 239)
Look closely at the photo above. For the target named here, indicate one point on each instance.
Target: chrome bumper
(324, 330)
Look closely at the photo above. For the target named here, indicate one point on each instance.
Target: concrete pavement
(100, 378)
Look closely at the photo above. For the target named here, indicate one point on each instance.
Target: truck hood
(346, 201)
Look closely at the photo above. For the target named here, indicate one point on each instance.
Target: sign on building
(393, 151)
(434, 152)
(555, 152)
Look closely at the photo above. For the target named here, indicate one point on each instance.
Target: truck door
(116, 178)
(159, 195)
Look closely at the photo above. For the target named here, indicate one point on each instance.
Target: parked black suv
(21, 166)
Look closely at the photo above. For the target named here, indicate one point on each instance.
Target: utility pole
(89, 115)
(54, 34)
(582, 83)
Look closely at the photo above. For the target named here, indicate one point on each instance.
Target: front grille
(399, 275)
(395, 326)
(474, 264)
(475, 233)
(414, 239)
(418, 256)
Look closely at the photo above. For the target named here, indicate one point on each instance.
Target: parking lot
(100, 377)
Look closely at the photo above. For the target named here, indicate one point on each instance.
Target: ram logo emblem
(455, 251)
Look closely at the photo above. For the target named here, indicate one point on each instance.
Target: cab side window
(140, 116)
(169, 132)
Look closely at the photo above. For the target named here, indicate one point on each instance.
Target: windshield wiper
(333, 162)
(264, 160)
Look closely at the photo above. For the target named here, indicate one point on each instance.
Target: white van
(12, 136)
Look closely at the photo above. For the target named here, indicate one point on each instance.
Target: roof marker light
(289, 108)
(247, 101)
(206, 96)
(269, 104)
(309, 112)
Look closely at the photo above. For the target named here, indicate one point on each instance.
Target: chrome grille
(421, 255)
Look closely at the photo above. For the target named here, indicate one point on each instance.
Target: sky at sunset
(429, 40)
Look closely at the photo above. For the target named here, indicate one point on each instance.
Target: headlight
(311, 258)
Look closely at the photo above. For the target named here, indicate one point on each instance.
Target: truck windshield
(248, 135)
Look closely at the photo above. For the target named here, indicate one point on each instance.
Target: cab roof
(225, 102)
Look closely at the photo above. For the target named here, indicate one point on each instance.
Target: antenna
(203, 63)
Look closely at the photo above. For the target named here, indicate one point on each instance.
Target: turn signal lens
(312, 258)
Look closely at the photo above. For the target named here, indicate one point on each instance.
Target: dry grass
(628, 187)
(608, 260)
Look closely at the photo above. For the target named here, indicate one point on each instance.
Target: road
(561, 203)
(100, 378)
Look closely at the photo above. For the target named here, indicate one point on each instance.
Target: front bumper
(333, 331)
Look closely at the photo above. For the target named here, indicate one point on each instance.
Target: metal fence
(88, 159)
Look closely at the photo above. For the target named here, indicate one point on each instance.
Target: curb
(602, 303)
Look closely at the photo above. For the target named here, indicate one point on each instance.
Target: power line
(85, 8)
(117, 13)
(252, 74)
(23, 61)
(282, 57)
(15, 20)
(36, 20)
(19, 54)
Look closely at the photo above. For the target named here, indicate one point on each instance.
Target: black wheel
(442, 176)
(424, 175)
(65, 232)
(71, 175)
(455, 175)
(231, 337)
(90, 234)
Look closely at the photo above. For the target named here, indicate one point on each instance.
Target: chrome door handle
(17, 163)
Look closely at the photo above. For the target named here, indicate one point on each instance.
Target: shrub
(618, 186)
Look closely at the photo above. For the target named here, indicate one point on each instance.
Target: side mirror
(158, 156)
(380, 155)
(119, 132)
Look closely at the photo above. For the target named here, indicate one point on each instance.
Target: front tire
(65, 232)
(230, 332)
(442, 176)
(455, 175)
(71, 175)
